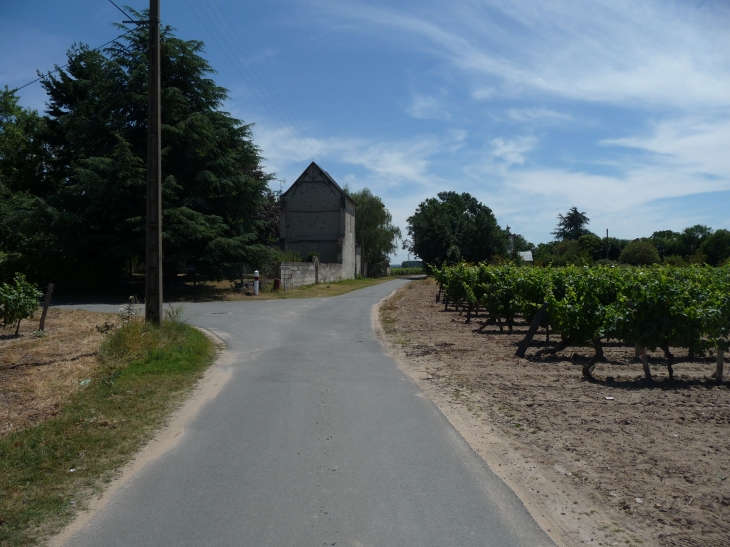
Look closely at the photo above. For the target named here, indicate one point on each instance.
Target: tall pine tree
(92, 211)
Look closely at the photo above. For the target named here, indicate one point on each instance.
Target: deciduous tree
(374, 228)
(453, 227)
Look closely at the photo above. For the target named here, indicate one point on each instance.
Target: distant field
(406, 271)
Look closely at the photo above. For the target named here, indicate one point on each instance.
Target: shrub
(18, 301)
(639, 253)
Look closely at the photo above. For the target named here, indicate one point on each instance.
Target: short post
(719, 365)
(256, 283)
(45, 307)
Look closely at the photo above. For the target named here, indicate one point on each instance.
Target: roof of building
(526, 256)
(324, 173)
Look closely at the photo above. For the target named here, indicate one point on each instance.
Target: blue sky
(620, 108)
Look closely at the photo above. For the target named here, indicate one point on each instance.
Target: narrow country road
(317, 439)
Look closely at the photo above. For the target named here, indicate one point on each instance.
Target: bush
(18, 301)
(639, 253)
(675, 260)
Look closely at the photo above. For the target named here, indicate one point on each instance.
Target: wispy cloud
(537, 115)
(659, 53)
(427, 107)
(512, 151)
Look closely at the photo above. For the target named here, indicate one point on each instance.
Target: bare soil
(39, 373)
(612, 462)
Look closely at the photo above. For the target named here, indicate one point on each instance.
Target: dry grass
(39, 374)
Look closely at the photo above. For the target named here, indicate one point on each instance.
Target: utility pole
(608, 245)
(362, 238)
(153, 254)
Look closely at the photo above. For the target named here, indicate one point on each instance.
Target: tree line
(454, 227)
(575, 244)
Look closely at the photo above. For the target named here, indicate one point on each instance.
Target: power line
(253, 85)
(265, 81)
(250, 81)
(120, 9)
(64, 66)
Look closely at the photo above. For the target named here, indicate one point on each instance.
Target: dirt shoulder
(605, 463)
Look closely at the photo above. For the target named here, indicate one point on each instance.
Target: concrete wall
(298, 274)
(319, 218)
(347, 226)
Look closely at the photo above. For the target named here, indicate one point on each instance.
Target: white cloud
(693, 143)
(537, 114)
(658, 53)
(427, 107)
(512, 151)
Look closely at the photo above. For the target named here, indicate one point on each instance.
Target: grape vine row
(648, 308)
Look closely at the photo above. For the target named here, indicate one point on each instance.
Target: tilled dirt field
(603, 463)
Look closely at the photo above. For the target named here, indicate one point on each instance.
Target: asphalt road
(317, 439)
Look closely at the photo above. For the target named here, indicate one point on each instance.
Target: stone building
(319, 219)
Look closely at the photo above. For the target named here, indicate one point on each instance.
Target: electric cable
(239, 43)
(253, 84)
(64, 66)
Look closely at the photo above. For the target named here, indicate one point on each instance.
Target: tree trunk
(590, 365)
(17, 329)
(670, 359)
(645, 363)
(564, 343)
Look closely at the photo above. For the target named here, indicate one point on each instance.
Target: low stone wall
(297, 274)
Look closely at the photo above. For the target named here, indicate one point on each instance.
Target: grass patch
(49, 470)
(223, 291)
(323, 289)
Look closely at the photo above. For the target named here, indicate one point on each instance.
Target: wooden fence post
(719, 365)
(45, 307)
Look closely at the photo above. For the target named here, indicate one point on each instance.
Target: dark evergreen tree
(93, 211)
(572, 225)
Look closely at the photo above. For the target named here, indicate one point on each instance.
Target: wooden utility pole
(153, 254)
(362, 238)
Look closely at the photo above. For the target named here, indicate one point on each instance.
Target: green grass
(145, 372)
(406, 271)
(323, 289)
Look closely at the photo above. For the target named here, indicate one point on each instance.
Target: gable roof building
(319, 218)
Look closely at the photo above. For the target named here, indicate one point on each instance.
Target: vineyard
(646, 308)
(405, 271)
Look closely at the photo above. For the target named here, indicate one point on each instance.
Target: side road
(316, 438)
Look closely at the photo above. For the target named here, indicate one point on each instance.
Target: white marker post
(256, 283)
